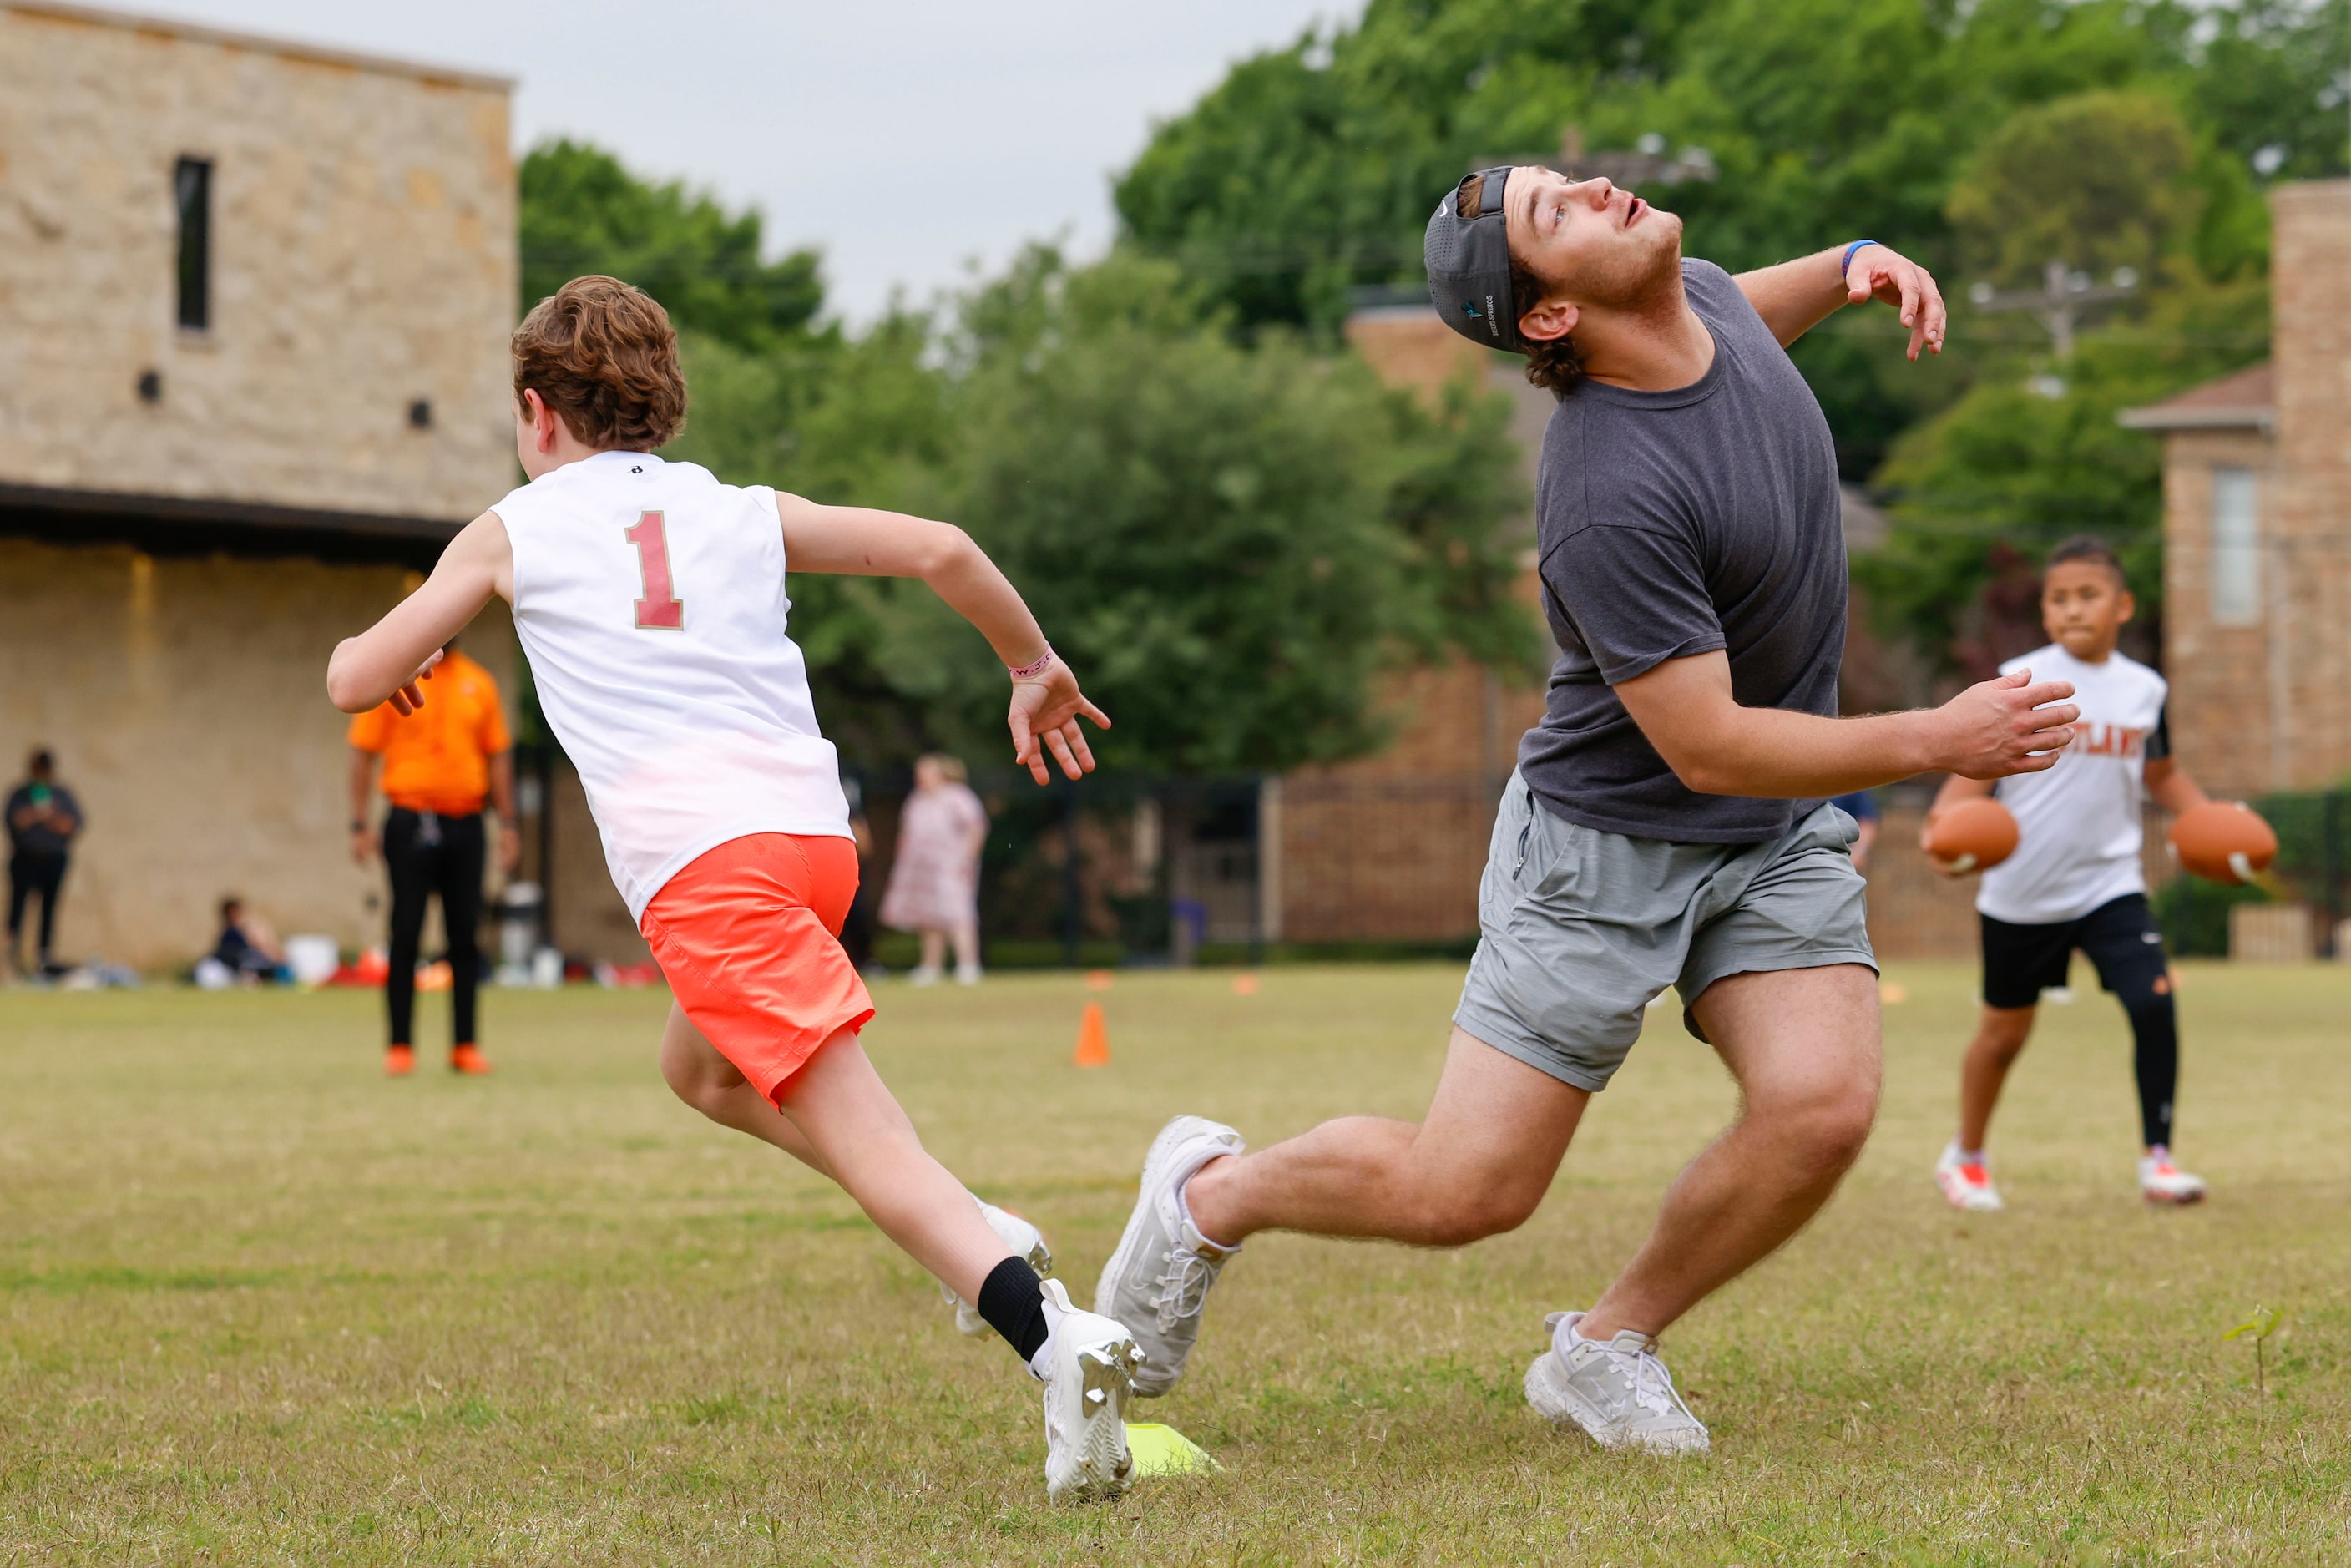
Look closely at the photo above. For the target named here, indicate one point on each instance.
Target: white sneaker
(1158, 1280)
(1087, 1365)
(967, 973)
(1965, 1186)
(924, 974)
(2160, 1181)
(1617, 1391)
(1027, 1243)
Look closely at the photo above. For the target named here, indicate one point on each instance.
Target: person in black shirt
(43, 820)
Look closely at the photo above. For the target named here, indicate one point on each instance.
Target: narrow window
(191, 193)
(2236, 548)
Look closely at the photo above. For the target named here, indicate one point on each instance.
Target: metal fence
(1141, 869)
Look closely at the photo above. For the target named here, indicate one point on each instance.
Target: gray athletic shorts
(1578, 928)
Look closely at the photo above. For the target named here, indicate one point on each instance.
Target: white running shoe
(1088, 1364)
(1158, 1280)
(1966, 1186)
(1616, 1390)
(1025, 1242)
(2160, 1181)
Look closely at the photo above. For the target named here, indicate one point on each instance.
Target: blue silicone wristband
(1846, 266)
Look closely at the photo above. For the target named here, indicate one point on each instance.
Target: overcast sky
(902, 139)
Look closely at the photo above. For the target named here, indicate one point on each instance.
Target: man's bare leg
(2000, 1039)
(699, 1075)
(1804, 1047)
(1477, 1166)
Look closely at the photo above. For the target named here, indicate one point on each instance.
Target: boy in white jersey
(650, 601)
(2075, 881)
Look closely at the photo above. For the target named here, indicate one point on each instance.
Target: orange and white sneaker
(2160, 1181)
(468, 1059)
(399, 1062)
(1966, 1184)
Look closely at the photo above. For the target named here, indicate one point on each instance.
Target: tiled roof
(2246, 400)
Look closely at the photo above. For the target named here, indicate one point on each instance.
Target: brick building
(253, 306)
(2257, 555)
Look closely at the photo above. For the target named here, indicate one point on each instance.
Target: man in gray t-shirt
(1674, 523)
(1667, 825)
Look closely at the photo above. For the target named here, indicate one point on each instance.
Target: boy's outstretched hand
(411, 694)
(1045, 712)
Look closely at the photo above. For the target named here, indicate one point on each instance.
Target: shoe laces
(1648, 1382)
(1183, 1285)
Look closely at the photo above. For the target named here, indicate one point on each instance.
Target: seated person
(247, 948)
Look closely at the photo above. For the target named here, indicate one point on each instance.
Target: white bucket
(313, 959)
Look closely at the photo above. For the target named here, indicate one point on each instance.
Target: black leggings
(2120, 940)
(29, 874)
(426, 854)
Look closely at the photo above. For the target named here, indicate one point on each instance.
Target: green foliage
(1231, 543)
(1314, 167)
(582, 212)
(2194, 914)
(2097, 180)
(2010, 469)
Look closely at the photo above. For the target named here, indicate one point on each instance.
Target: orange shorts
(748, 938)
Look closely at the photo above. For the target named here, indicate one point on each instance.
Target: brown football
(1974, 835)
(2224, 842)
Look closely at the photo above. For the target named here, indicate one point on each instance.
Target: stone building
(2257, 550)
(253, 299)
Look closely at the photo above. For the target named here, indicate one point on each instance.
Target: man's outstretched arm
(1797, 296)
(1685, 707)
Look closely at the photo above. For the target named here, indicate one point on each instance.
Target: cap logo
(1491, 329)
(1471, 311)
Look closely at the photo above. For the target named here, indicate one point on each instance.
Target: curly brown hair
(603, 356)
(1554, 366)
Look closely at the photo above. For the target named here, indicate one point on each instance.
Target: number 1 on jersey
(661, 609)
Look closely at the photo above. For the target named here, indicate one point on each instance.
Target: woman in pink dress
(935, 881)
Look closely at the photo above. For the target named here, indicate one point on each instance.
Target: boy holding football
(650, 599)
(2075, 881)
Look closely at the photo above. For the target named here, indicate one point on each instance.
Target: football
(2222, 841)
(1974, 835)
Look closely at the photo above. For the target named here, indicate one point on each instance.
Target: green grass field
(258, 1304)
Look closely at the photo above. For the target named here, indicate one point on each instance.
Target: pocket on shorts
(1549, 854)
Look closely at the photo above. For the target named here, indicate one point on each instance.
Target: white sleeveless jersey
(2079, 823)
(650, 600)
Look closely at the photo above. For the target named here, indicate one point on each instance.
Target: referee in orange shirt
(439, 765)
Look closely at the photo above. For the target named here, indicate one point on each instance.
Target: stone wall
(185, 698)
(362, 261)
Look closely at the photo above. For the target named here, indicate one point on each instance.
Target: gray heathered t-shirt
(1671, 523)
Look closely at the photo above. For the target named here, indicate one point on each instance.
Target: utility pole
(2059, 302)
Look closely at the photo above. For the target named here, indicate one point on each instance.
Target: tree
(582, 212)
(2097, 180)
(1231, 542)
(1980, 492)
(1314, 167)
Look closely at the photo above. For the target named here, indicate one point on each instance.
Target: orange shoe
(399, 1062)
(468, 1059)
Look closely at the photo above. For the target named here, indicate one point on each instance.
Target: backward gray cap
(1468, 253)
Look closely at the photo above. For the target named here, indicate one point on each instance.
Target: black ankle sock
(1014, 1306)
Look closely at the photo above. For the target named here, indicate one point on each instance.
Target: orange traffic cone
(1093, 1039)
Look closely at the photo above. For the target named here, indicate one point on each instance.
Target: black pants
(2121, 942)
(29, 874)
(428, 853)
